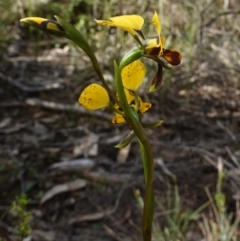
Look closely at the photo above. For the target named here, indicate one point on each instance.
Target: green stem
(135, 124)
(98, 70)
(136, 99)
(148, 210)
(114, 109)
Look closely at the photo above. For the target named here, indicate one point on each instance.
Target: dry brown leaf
(6, 122)
(65, 187)
(83, 164)
(123, 154)
(88, 146)
(90, 217)
(107, 177)
(50, 119)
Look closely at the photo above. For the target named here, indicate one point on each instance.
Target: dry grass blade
(90, 217)
(61, 188)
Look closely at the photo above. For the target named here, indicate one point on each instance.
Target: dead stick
(66, 107)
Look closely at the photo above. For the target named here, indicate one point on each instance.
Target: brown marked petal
(173, 57)
(156, 82)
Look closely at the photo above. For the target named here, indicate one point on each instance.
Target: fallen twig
(228, 131)
(107, 177)
(65, 107)
(209, 154)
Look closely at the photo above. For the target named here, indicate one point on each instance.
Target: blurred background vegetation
(207, 34)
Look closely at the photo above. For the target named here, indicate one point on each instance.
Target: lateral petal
(94, 97)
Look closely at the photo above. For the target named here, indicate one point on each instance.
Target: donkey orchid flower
(95, 96)
(152, 46)
(132, 77)
(155, 46)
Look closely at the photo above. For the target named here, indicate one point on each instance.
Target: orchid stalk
(127, 105)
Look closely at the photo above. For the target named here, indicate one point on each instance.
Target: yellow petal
(94, 97)
(43, 24)
(37, 20)
(133, 75)
(129, 23)
(118, 119)
(129, 96)
(144, 106)
(156, 23)
(157, 80)
(162, 42)
(152, 46)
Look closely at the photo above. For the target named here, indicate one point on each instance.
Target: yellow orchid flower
(152, 46)
(155, 46)
(132, 77)
(95, 96)
(157, 41)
